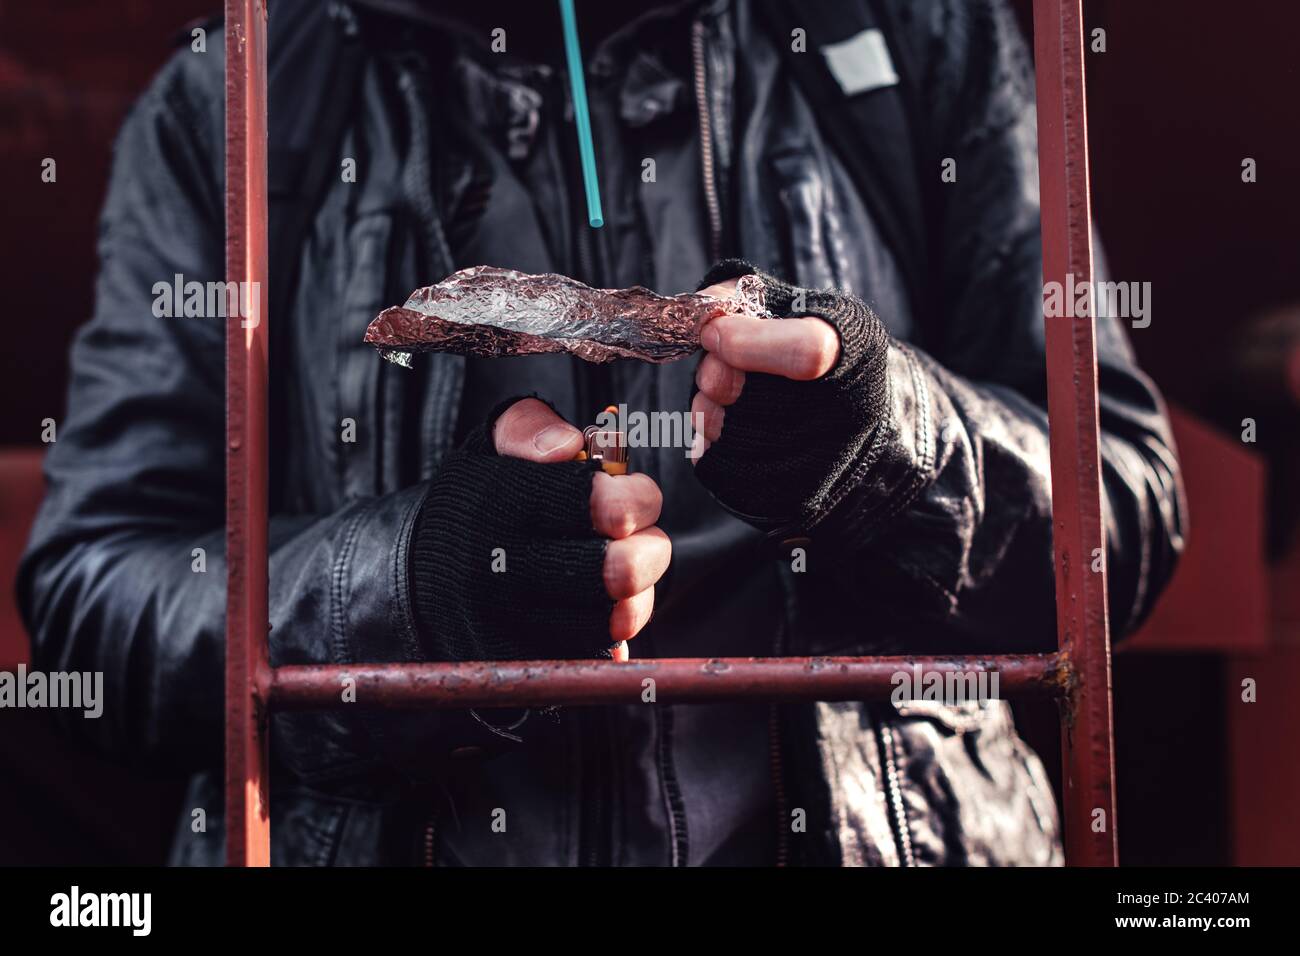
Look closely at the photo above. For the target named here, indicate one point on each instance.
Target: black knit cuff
(505, 563)
(778, 295)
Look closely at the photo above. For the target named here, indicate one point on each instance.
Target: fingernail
(552, 437)
(709, 338)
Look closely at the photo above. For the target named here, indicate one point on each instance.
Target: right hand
(521, 553)
(624, 510)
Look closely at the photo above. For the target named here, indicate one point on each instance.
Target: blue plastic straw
(573, 52)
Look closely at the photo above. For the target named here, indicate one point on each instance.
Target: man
(912, 478)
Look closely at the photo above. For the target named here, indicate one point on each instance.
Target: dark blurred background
(1185, 90)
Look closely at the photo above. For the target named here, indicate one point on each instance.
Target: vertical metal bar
(248, 832)
(1072, 412)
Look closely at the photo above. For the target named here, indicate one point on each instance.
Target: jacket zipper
(593, 739)
(776, 761)
(430, 840)
(894, 793)
(679, 842)
(778, 784)
(678, 835)
(593, 734)
(713, 209)
(711, 203)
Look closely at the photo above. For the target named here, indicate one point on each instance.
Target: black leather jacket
(946, 544)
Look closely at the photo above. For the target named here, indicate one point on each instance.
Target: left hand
(786, 408)
(801, 349)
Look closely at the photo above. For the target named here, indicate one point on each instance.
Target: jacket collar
(450, 17)
(504, 95)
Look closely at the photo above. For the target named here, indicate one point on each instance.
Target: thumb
(529, 429)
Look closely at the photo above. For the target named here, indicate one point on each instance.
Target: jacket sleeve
(124, 572)
(952, 529)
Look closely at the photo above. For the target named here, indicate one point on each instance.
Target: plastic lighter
(606, 449)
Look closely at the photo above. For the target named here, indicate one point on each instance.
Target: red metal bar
(248, 832)
(543, 683)
(1089, 811)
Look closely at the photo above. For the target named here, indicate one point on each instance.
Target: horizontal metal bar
(687, 680)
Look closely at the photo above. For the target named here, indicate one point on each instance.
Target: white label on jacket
(861, 62)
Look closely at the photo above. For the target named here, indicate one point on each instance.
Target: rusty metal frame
(1078, 675)
(677, 680)
(1083, 630)
(248, 671)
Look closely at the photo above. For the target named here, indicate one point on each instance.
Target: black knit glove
(542, 596)
(789, 450)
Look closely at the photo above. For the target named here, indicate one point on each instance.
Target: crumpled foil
(490, 312)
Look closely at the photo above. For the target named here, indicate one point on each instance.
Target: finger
(801, 349)
(636, 563)
(723, 290)
(630, 615)
(619, 652)
(622, 505)
(529, 429)
(708, 414)
(718, 380)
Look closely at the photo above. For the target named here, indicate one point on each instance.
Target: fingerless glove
(790, 450)
(505, 564)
